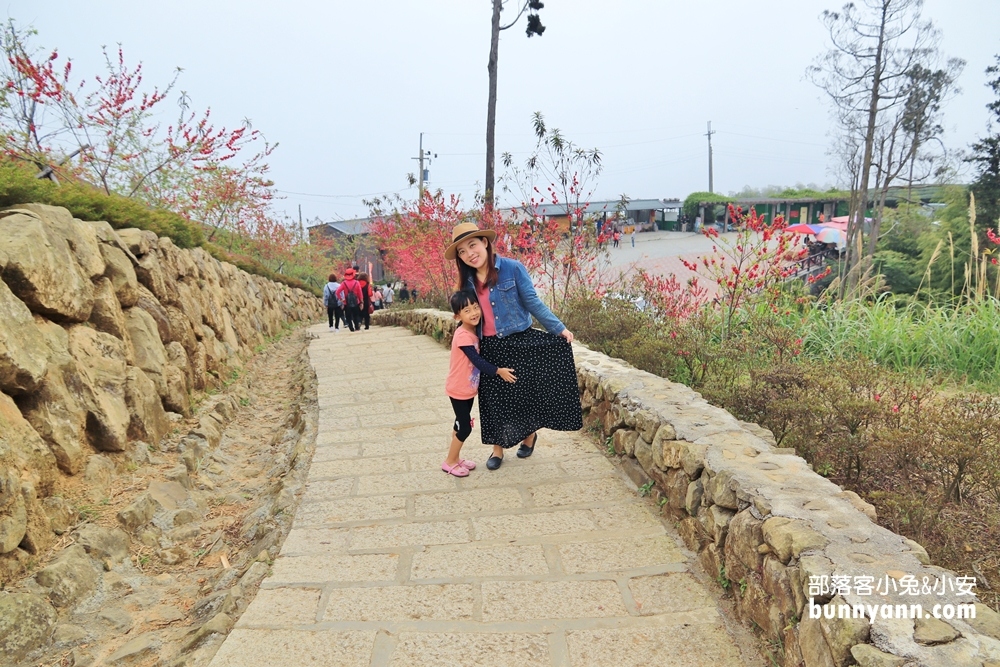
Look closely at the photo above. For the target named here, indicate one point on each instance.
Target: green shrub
(18, 185)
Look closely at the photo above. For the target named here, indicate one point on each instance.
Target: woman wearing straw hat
(546, 394)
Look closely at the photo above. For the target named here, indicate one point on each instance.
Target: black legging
(352, 315)
(364, 316)
(335, 312)
(463, 417)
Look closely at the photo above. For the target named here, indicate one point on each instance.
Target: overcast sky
(346, 88)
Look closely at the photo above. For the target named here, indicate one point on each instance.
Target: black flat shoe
(524, 451)
(493, 462)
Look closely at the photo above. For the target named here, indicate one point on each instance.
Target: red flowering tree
(757, 262)
(105, 130)
(109, 120)
(412, 238)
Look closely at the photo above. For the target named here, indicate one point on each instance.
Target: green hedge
(18, 185)
(695, 198)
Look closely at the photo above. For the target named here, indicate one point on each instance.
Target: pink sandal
(458, 470)
(467, 464)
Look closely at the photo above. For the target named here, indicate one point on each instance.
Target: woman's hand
(568, 335)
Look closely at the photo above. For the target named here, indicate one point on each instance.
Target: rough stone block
(693, 534)
(138, 513)
(26, 451)
(26, 623)
(716, 521)
(843, 633)
(744, 537)
(647, 423)
(710, 559)
(986, 622)
(778, 584)
(60, 513)
(70, 577)
(860, 504)
(918, 550)
(624, 442)
(676, 488)
(150, 355)
(97, 477)
(867, 655)
(693, 497)
(42, 269)
(753, 603)
(793, 654)
(13, 513)
(930, 631)
(147, 418)
(23, 353)
(790, 537)
(815, 652)
(644, 453)
(119, 270)
(721, 490)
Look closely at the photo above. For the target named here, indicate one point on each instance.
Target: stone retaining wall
(764, 524)
(102, 334)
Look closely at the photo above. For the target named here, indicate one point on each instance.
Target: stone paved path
(550, 561)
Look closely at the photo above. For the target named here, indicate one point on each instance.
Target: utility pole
(420, 160)
(709, 135)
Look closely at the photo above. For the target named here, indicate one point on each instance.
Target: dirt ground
(162, 598)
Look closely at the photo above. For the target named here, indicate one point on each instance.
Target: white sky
(345, 88)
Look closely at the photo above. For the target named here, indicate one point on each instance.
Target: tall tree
(987, 156)
(535, 27)
(876, 46)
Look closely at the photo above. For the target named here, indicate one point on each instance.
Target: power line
(364, 194)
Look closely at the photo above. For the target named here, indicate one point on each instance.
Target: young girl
(463, 377)
(546, 394)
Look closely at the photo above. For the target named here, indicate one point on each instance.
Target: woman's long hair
(465, 271)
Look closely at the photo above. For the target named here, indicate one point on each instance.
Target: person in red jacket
(353, 299)
(366, 307)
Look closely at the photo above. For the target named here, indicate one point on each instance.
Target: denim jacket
(514, 301)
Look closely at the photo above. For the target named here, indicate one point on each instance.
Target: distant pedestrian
(333, 308)
(633, 237)
(404, 294)
(616, 238)
(350, 294)
(366, 294)
(387, 295)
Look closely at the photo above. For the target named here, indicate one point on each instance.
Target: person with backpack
(333, 308)
(350, 293)
(366, 304)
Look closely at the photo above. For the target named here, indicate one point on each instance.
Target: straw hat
(464, 231)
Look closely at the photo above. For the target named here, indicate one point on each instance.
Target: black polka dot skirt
(545, 394)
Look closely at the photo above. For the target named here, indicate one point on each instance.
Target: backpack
(351, 298)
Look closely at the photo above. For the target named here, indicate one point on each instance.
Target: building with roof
(366, 255)
(643, 214)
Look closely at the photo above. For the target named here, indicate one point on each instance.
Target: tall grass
(957, 342)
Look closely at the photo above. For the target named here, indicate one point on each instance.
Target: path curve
(550, 561)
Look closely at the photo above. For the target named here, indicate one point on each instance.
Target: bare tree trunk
(491, 108)
(856, 221)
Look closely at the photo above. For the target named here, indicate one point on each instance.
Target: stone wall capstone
(766, 526)
(102, 333)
